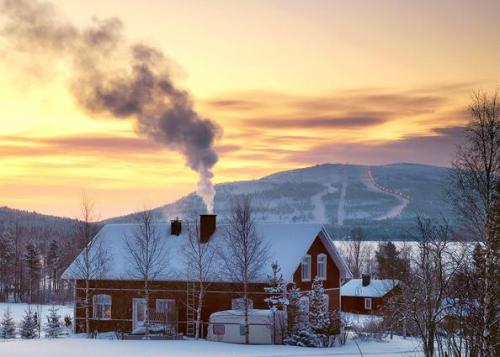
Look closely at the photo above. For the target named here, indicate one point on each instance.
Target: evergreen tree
(53, 326)
(7, 325)
(277, 301)
(390, 265)
(293, 309)
(53, 263)
(7, 254)
(33, 269)
(29, 325)
(277, 289)
(319, 316)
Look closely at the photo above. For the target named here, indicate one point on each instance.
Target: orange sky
(292, 84)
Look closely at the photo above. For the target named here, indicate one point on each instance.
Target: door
(138, 314)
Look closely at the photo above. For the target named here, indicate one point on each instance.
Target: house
(366, 295)
(303, 252)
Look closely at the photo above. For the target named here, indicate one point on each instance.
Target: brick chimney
(365, 279)
(208, 223)
(175, 227)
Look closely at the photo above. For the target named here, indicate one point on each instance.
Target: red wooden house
(303, 252)
(366, 296)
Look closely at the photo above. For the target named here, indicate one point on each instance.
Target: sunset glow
(291, 84)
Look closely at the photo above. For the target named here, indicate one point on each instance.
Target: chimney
(207, 226)
(365, 279)
(175, 227)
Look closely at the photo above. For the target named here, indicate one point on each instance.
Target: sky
(289, 83)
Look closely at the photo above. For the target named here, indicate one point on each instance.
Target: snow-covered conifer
(319, 316)
(29, 325)
(276, 289)
(7, 325)
(53, 326)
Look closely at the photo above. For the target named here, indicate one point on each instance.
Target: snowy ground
(78, 346)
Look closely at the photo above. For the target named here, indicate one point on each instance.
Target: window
(243, 330)
(368, 303)
(165, 305)
(219, 329)
(238, 304)
(101, 307)
(321, 266)
(306, 268)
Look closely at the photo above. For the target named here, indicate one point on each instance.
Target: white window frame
(167, 301)
(306, 268)
(368, 303)
(96, 309)
(321, 272)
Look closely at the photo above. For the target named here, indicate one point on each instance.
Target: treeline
(32, 259)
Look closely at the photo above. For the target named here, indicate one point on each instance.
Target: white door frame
(135, 323)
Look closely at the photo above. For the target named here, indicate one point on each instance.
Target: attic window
(322, 266)
(306, 268)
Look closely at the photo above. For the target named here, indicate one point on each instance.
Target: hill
(384, 200)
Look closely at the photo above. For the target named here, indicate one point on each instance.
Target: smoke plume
(113, 78)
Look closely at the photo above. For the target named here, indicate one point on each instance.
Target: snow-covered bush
(302, 338)
(29, 325)
(7, 325)
(370, 329)
(53, 326)
(319, 316)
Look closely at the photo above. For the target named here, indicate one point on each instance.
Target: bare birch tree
(147, 256)
(200, 258)
(92, 263)
(355, 252)
(427, 286)
(475, 176)
(244, 253)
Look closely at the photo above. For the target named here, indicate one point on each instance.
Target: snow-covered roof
(241, 312)
(376, 288)
(287, 243)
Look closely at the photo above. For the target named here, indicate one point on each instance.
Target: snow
(80, 347)
(251, 312)
(376, 288)
(287, 243)
(341, 209)
(319, 211)
(395, 211)
(359, 320)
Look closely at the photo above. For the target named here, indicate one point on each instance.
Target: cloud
(20, 146)
(327, 122)
(436, 149)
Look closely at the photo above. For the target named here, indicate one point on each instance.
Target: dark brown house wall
(122, 292)
(356, 304)
(332, 282)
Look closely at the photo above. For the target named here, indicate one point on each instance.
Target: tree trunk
(245, 305)
(146, 309)
(488, 313)
(87, 312)
(198, 312)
